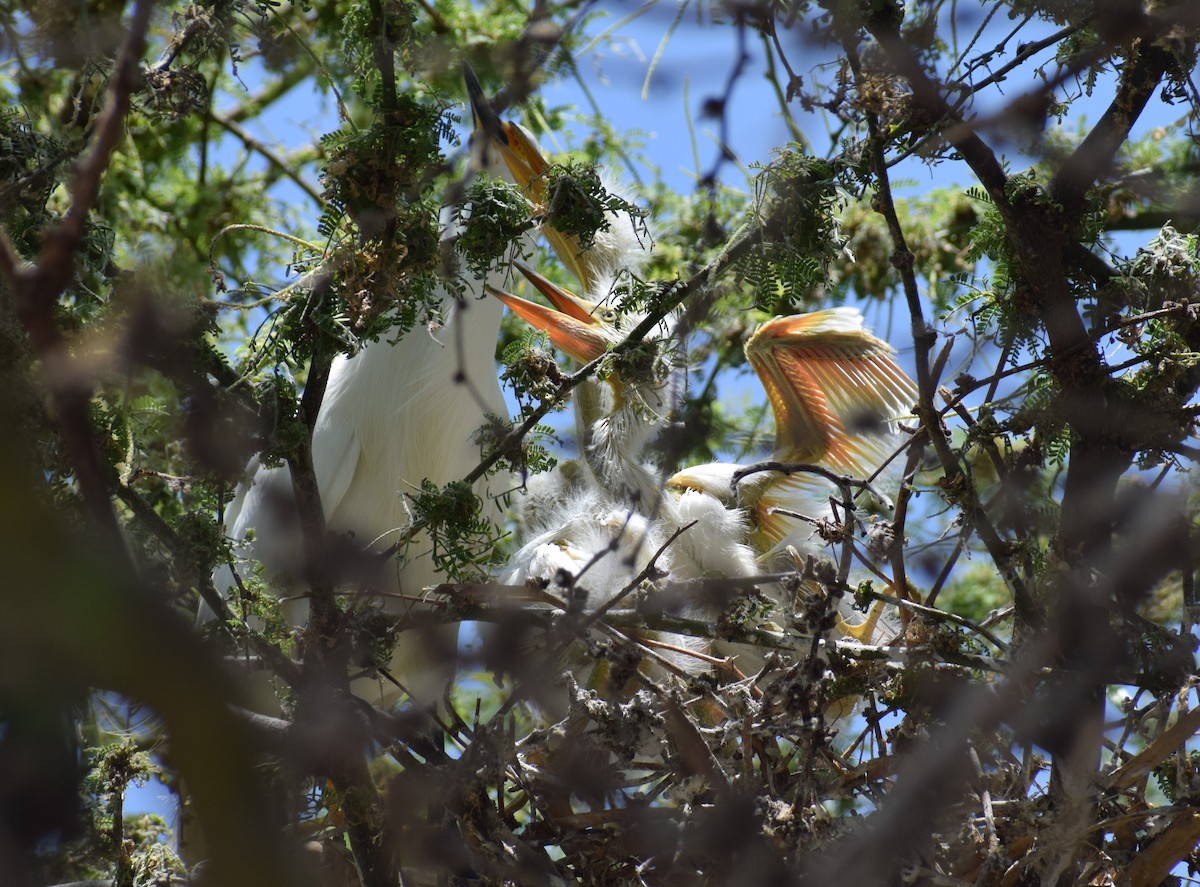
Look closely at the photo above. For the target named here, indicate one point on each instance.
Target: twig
(934, 613)
(900, 522)
(270, 155)
(1158, 751)
(992, 175)
(802, 467)
(648, 571)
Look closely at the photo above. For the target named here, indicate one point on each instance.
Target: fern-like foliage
(577, 204)
(530, 370)
(795, 210)
(463, 540)
(493, 219)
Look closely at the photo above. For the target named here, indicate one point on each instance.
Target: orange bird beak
(528, 167)
(516, 146)
(833, 387)
(576, 326)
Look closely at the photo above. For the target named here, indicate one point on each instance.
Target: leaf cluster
(796, 210)
(494, 218)
(530, 370)
(463, 540)
(578, 204)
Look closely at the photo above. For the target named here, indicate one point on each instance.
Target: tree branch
(924, 338)
(37, 288)
(270, 155)
(929, 97)
(1093, 159)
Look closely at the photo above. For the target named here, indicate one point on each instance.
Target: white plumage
(834, 390)
(394, 414)
(586, 540)
(713, 543)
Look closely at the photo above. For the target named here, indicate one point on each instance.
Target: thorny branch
(924, 340)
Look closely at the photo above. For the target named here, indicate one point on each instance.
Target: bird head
(515, 146)
(578, 327)
(615, 416)
(622, 245)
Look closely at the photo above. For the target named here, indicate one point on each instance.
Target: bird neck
(395, 375)
(614, 450)
(474, 325)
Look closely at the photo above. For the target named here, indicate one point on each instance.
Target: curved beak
(572, 324)
(834, 388)
(579, 340)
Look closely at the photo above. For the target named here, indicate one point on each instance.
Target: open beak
(573, 324)
(564, 300)
(517, 148)
(528, 167)
(834, 388)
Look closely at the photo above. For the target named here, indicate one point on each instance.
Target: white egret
(584, 501)
(834, 389)
(588, 553)
(595, 526)
(626, 418)
(394, 414)
(616, 252)
(620, 417)
(586, 538)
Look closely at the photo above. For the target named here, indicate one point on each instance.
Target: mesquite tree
(175, 286)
